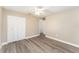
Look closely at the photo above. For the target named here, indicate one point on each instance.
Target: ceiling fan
(39, 10)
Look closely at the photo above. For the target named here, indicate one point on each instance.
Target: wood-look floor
(35, 45)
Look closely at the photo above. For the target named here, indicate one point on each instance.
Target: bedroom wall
(64, 26)
(1, 23)
(31, 23)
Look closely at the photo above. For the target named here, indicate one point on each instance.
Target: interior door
(16, 28)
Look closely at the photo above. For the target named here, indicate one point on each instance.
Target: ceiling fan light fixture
(38, 10)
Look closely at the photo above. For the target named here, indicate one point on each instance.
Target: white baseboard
(18, 40)
(62, 41)
(31, 36)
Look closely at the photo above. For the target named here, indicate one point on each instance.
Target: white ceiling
(48, 11)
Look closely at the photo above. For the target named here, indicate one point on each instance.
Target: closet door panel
(16, 28)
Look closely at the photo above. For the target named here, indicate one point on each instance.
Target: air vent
(43, 18)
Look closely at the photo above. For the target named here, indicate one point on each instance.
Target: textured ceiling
(48, 11)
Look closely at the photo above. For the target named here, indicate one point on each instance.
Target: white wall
(64, 26)
(32, 25)
(1, 24)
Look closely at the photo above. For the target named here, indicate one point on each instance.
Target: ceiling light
(38, 10)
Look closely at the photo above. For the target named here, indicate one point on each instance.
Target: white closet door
(16, 28)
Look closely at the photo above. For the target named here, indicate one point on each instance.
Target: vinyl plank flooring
(39, 44)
